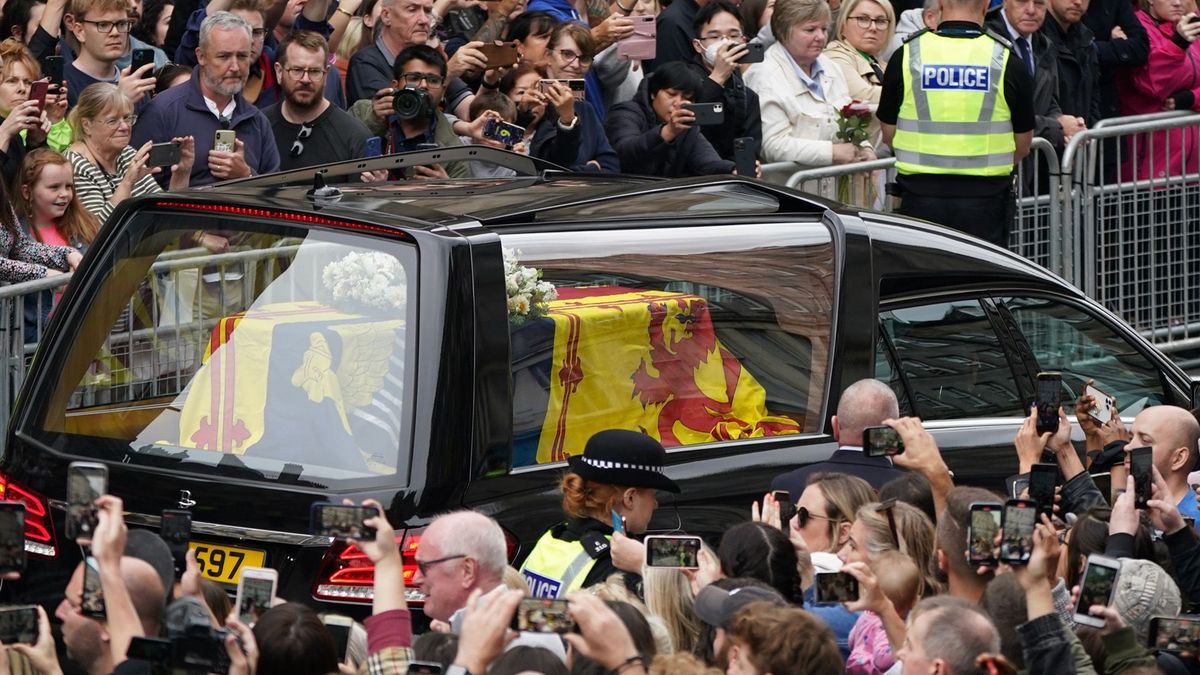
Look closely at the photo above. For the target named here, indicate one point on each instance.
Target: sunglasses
(298, 144)
(887, 508)
(804, 515)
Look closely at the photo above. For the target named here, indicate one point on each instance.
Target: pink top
(51, 236)
(870, 653)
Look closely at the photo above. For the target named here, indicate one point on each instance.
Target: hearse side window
(887, 372)
(691, 334)
(952, 360)
(1066, 339)
(283, 356)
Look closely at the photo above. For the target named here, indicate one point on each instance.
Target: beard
(222, 87)
(302, 99)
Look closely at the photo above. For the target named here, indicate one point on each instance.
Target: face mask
(710, 52)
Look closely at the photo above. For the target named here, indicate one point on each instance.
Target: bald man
(1173, 433)
(86, 638)
(866, 403)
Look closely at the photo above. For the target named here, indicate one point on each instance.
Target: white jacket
(797, 126)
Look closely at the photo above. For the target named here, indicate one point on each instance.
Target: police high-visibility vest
(556, 567)
(954, 119)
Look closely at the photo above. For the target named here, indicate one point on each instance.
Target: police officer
(615, 479)
(957, 109)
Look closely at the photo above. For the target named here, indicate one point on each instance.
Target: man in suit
(866, 403)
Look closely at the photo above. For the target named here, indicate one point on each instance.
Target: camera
(411, 103)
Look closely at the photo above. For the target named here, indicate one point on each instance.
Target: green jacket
(443, 133)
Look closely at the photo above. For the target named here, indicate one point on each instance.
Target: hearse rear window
(693, 335)
(245, 348)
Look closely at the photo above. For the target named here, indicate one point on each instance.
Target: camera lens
(410, 103)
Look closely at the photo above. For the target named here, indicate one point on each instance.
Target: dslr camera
(412, 102)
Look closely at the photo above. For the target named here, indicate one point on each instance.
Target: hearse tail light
(39, 530)
(287, 216)
(348, 575)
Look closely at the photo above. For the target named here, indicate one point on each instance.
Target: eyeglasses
(431, 79)
(424, 566)
(107, 26)
(298, 145)
(731, 35)
(568, 56)
(298, 73)
(114, 122)
(865, 22)
(887, 509)
(804, 515)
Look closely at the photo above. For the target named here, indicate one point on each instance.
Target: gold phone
(225, 140)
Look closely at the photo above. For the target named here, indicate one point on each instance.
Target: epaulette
(912, 36)
(1002, 39)
(594, 543)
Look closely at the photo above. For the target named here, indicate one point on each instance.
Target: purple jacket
(181, 110)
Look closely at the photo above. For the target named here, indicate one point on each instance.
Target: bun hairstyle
(583, 498)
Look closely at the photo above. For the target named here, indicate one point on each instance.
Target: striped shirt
(95, 188)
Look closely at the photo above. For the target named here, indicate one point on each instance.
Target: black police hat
(621, 457)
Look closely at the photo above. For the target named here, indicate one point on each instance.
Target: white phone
(1105, 408)
(256, 589)
(339, 626)
(1099, 583)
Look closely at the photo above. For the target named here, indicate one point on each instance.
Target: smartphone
(755, 52)
(1103, 483)
(1099, 582)
(1189, 521)
(1042, 480)
(425, 667)
(578, 88)
(499, 130)
(787, 510)
(373, 147)
(12, 537)
(38, 91)
(543, 615)
(339, 627)
(175, 528)
(500, 54)
(1140, 462)
(19, 625)
(86, 481)
(982, 531)
(52, 67)
(1176, 634)
(256, 588)
(835, 587)
(673, 551)
(618, 523)
(164, 154)
(882, 442)
(342, 522)
(1105, 406)
(642, 43)
(707, 114)
(92, 601)
(1016, 540)
(142, 57)
(1049, 397)
(225, 140)
(745, 155)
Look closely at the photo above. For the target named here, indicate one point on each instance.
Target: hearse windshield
(241, 347)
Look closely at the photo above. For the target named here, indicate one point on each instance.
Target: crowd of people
(888, 537)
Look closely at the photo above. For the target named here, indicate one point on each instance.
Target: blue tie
(1023, 52)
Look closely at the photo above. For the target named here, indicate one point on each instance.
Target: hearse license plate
(225, 563)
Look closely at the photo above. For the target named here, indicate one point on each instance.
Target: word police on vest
(974, 78)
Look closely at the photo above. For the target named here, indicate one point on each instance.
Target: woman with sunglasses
(107, 169)
(894, 526)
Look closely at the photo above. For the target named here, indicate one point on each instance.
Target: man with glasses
(422, 69)
(719, 43)
(212, 101)
(309, 130)
(102, 30)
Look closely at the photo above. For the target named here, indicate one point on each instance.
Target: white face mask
(710, 52)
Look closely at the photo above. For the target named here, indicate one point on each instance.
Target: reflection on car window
(953, 360)
(274, 353)
(886, 372)
(692, 335)
(1081, 347)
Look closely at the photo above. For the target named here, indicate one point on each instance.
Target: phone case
(225, 141)
(500, 54)
(642, 44)
(1104, 408)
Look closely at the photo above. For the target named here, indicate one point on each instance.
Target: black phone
(1042, 480)
(673, 551)
(835, 587)
(755, 52)
(12, 537)
(543, 615)
(175, 528)
(339, 627)
(1140, 462)
(1016, 540)
(745, 156)
(1049, 398)
(1103, 483)
(18, 625)
(341, 521)
(707, 114)
(86, 481)
(52, 67)
(424, 668)
(156, 651)
(164, 154)
(787, 510)
(92, 601)
(982, 531)
(1175, 634)
(882, 442)
(142, 57)
(499, 130)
